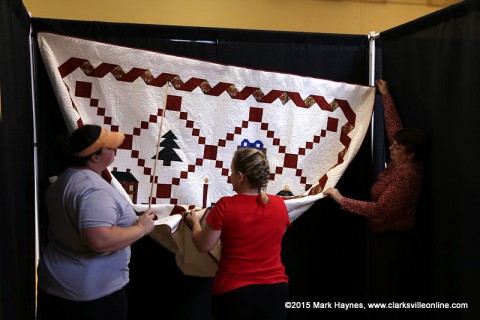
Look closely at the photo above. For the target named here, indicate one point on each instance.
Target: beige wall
(323, 16)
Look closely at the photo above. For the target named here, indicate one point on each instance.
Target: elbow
(100, 239)
(202, 250)
(201, 244)
(99, 245)
(205, 239)
(202, 247)
(100, 248)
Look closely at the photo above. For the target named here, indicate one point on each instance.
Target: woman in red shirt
(250, 282)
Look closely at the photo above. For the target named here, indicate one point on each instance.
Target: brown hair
(80, 139)
(254, 165)
(413, 140)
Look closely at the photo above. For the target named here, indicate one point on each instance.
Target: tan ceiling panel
(442, 3)
(436, 3)
(419, 2)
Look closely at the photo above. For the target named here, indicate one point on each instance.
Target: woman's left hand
(334, 194)
(190, 217)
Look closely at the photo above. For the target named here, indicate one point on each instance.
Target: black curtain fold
(432, 65)
(17, 200)
(323, 233)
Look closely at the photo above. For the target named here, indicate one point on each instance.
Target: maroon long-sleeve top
(395, 193)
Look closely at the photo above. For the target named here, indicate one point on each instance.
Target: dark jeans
(260, 301)
(111, 307)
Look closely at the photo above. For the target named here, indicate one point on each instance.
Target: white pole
(158, 143)
(371, 77)
(35, 159)
(371, 81)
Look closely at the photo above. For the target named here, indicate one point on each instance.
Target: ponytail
(263, 197)
(254, 165)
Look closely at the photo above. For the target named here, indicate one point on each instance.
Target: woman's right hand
(382, 86)
(146, 221)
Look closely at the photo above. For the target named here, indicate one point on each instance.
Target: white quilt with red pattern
(184, 118)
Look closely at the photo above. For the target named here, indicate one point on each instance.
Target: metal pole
(371, 81)
(371, 76)
(35, 160)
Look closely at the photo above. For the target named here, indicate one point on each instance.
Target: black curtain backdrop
(432, 65)
(324, 251)
(17, 205)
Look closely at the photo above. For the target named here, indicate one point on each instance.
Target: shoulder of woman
(409, 171)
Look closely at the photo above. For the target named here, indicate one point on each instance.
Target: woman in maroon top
(395, 193)
(395, 249)
(250, 282)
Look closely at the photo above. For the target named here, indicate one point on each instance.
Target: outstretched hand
(382, 86)
(334, 194)
(190, 218)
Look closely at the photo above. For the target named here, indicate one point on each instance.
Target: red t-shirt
(251, 241)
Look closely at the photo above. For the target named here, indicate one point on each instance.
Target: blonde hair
(254, 165)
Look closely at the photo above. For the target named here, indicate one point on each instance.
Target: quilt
(184, 118)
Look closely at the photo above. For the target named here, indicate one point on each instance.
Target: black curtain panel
(325, 250)
(17, 200)
(433, 67)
